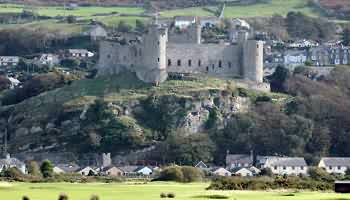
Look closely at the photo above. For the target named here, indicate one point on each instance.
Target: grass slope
(151, 191)
(281, 7)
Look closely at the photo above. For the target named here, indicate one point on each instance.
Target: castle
(160, 52)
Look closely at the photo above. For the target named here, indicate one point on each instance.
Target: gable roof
(11, 162)
(286, 161)
(238, 170)
(201, 164)
(68, 168)
(336, 161)
(238, 158)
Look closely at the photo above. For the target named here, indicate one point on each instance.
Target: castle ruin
(160, 52)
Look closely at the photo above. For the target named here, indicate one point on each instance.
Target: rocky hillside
(118, 114)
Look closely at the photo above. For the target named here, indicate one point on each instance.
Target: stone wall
(213, 59)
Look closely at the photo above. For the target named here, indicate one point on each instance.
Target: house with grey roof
(79, 53)
(335, 165)
(284, 165)
(294, 58)
(133, 170)
(220, 171)
(66, 168)
(9, 61)
(10, 162)
(183, 22)
(239, 160)
(201, 165)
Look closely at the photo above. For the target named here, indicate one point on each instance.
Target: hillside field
(150, 191)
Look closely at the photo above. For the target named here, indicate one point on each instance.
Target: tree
(34, 169)
(140, 26)
(172, 173)
(47, 169)
(71, 19)
(266, 172)
(123, 27)
(278, 78)
(346, 37)
(5, 83)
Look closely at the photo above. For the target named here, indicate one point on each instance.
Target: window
(158, 59)
(293, 168)
(330, 167)
(257, 46)
(207, 69)
(229, 64)
(213, 66)
(275, 167)
(189, 63)
(220, 63)
(302, 167)
(169, 62)
(109, 56)
(284, 167)
(178, 62)
(339, 167)
(199, 63)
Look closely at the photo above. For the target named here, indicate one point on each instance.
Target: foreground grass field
(150, 191)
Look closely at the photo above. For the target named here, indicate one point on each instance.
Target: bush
(181, 174)
(94, 197)
(46, 169)
(62, 197)
(171, 195)
(191, 174)
(319, 174)
(25, 198)
(163, 195)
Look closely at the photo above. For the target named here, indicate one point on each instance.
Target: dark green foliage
(319, 174)
(184, 174)
(173, 173)
(266, 172)
(14, 174)
(302, 26)
(46, 169)
(70, 63)
(346, 37)
(25, 198)
(140, 26)
(63, 197)
(123, 27)
(212, 119)
(185, 150)
(71, 19)
(264, 183)
(171, 195)
(163, 195)
(5, 83)
(278, 78)
(94, 197)
(167, 113)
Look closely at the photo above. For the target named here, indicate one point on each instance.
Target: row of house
(128, 171)
(48, 58)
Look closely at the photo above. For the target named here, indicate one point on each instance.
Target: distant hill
(80, 2)
(338, 8)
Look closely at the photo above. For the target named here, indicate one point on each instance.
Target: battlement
(157, 54)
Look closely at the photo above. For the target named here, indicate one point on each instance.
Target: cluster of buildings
(319, 57)
(247, 165)
(236, 165)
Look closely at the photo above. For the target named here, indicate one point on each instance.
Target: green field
(281, 7)
(150, 191)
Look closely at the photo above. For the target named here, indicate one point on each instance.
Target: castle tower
(253, 60)
(154, 55)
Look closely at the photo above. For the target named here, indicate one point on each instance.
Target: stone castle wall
(213, 59)
(155, 56)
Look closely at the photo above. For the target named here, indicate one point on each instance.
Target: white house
(66, 168)
(295, 58)
(9, 60)
(183, 22)
(9, 162)
(255, 170)
(243, 172)
(303, 44)
(144, 171)
(87, 170)
(201, 165)
(221, 172)
(336, 165)
(284, 165)
(48, 59)
(80, 53)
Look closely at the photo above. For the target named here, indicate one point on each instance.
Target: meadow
(150, 191)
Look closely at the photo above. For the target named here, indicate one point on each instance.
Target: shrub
(94, 197)
(319, 174)
(25, 198)
(163, 195)
(46, 169)
(173, 173)
(191, 174)
(62, 197)
(171, 195)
